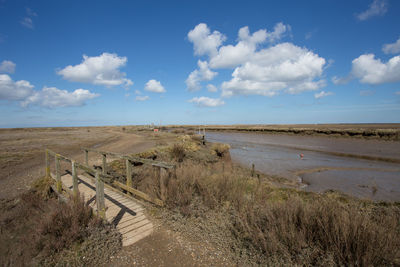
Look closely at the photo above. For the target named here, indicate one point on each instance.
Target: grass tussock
(220, 149)
(178, 152)
(286, 226)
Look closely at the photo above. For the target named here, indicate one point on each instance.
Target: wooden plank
(47, 159)
(101, 209)
(104, 165)
(133, 159)
(86, 157)
(163, 180)
(58, 174)
(139, 194)
(75, 179)
(128, 173)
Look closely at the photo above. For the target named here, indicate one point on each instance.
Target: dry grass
(220, 149)
(178, 152)
(286, 226)
(37, 230)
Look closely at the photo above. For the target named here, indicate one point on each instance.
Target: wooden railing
(100, 178)
(164, 170)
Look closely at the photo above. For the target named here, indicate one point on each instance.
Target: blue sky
(77, 63)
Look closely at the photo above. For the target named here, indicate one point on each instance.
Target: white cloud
(205, 42)
(10, 90)
(212, 88)
(392, 48)
(100, 70)
(52, 97)
(280, 67)
(27, 22)
(230, 56)
(142, 98)
(201, 74)
(154, 86)
(206, 101)
(374, 71)
(376, 8)
(7, 66)
(322, 94)
(137, 92)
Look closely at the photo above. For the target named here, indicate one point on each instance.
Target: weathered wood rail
(165, 170)
(100, 178)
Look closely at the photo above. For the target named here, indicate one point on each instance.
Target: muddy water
(327, 163)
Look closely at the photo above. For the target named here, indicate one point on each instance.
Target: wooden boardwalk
(124, 212)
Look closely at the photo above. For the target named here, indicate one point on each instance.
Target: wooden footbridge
(114, 201)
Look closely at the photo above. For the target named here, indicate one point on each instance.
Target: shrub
(220, 149)
(178, 152)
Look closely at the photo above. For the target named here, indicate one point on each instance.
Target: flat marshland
(245, 217)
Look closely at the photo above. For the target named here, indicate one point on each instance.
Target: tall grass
(288, 226)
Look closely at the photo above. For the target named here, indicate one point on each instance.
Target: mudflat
(360, 167)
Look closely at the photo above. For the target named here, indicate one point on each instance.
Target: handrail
(101, 177)
(133, 159)
(85, 168)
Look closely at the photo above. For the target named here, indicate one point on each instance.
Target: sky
(88, 63)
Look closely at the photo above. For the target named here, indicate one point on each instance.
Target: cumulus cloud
(373, 71)
(202, 74)
(392, 48)
(205, 42)
(52, 97)
(376, 8)
(322, 94)
(232, 55)
(10, 90)
(142, 98)
(257, 70)
(284, 66)
(100, 70)
(7, 66)
(207, 101)
(154, 86)
(212, 88)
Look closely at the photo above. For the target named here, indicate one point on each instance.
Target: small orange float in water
(301, 156)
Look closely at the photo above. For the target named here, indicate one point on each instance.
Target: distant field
(385, 131)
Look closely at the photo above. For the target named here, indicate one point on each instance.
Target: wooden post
(101, 210)
(128, 164)
(47, 163)
(86, 157)
(252, 170)
(163, 178)
(104, 163)
(58, 174)
(75, 179)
